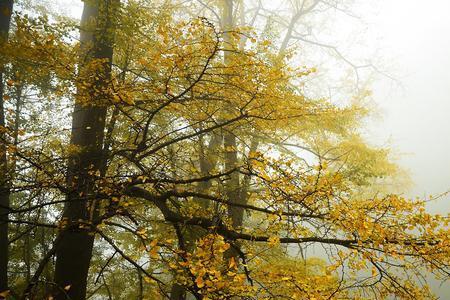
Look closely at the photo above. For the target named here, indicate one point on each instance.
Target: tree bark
(6, 7)
(232, 185)
(208, 161)
(74, 252)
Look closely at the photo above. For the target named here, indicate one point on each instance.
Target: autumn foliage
(216, 172)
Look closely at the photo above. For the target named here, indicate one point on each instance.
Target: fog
(414, 36)
(411, 39)
(409, 43)
(415, 115)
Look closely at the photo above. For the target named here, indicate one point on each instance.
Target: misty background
(415, 115)
(414, 36)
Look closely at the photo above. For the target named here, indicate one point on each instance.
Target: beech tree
(176, 158)
(87, 135)
(5, 18)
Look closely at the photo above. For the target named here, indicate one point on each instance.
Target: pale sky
(415, 35)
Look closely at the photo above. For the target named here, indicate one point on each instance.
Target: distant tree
(6, 8)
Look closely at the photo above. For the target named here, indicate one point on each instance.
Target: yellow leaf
(147, 279)
(141, 231)
(274, 240)
(5, 294)
(199, 282)
(232, 263)
(154, 252)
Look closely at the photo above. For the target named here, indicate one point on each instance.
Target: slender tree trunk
(244, 192)
(6, 7)
(208, 161)
(74, 252)
(229, 139)
(232, 186)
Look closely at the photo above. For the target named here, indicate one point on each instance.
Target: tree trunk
(232, 185)
(6, 7)
(208, 161)
(74, 252)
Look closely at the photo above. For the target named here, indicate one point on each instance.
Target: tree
(88, 125)
(6, 8)
(155, 184)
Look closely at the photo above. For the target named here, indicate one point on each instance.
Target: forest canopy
(158, 149)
